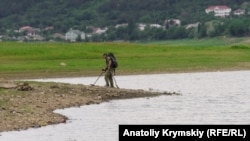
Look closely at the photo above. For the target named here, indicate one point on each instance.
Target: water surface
(206, 98)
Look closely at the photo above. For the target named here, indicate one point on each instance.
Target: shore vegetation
(56, 59)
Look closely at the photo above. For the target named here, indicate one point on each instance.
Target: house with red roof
(239, 12)
(30, 31)
(219, 10)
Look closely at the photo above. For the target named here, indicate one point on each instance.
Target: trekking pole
(97, 79)
(115, 82)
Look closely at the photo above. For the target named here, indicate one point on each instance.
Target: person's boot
(107, 85)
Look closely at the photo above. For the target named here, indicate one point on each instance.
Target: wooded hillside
(63, 15)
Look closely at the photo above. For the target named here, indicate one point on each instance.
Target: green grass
(142, 57)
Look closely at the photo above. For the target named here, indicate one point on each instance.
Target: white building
(239, 12)
(193, 25)
(142, 26)
(72, 35)
(101, 31)
(219, 11)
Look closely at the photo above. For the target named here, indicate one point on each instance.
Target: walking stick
(115, 82)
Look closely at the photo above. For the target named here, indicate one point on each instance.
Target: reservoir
(205, 98)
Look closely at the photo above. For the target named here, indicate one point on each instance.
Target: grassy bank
(82, 59)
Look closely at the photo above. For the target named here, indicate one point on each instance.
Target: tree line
(79, 14)
(237, 27)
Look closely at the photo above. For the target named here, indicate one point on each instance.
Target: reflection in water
(207, 98)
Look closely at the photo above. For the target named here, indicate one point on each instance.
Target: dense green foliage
(78, 14)
(65, 13)
(86, 58)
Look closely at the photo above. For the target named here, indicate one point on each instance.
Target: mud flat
(31, 104)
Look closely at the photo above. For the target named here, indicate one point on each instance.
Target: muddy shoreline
(26, 105)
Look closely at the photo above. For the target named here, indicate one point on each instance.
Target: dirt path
(31, 104)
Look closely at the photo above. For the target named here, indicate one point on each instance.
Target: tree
(78, 38)
(131, 29)
(238, 28)
(175, 32)
(213, 28)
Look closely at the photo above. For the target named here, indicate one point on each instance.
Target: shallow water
(206, 98)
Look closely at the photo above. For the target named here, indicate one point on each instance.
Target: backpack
(113, 59)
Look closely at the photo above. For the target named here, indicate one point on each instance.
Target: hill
(66, 14)
(79, 14)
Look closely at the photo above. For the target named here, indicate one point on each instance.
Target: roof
(78, 32)
(239, 11)
(25, 28)
(218, 7)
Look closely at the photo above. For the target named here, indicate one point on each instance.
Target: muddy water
(206, 98)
